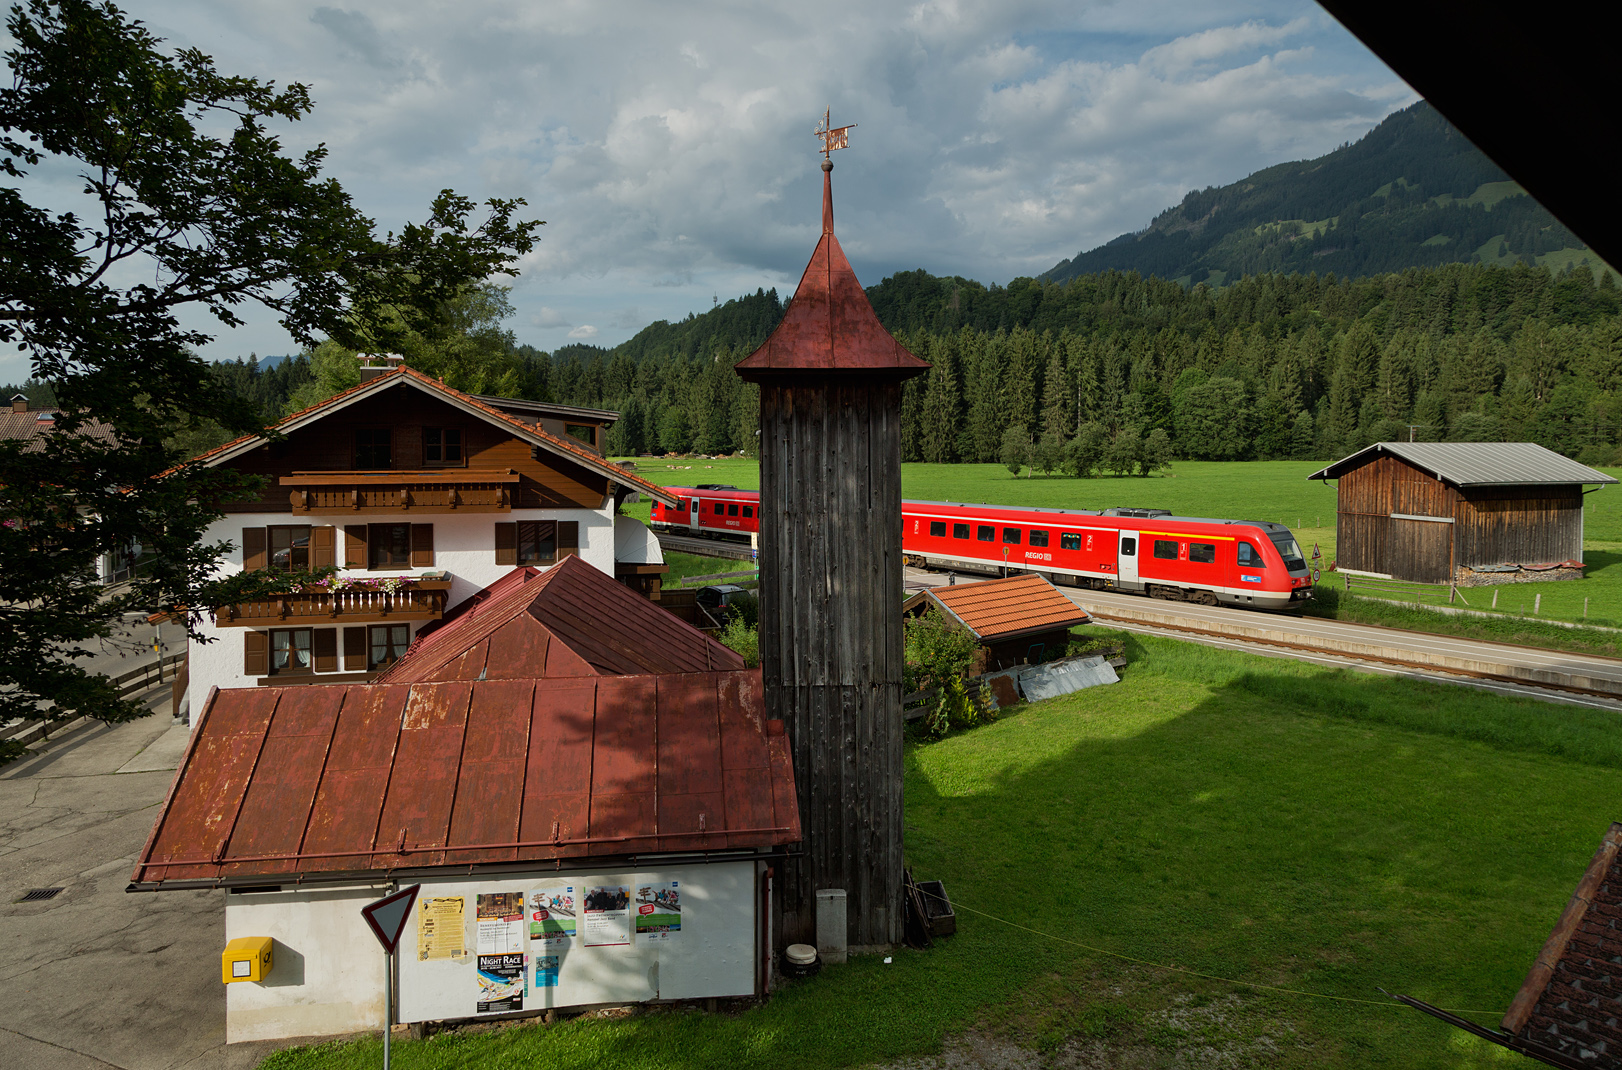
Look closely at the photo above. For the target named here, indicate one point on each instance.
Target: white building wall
(464, 548)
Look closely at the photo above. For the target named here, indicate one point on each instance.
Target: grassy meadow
(1258, 821)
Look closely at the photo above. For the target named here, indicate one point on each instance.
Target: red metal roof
(830, 325)
(570, 620)
(1000, 609)
(298, 781)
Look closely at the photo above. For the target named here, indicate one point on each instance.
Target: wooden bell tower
(830, 584)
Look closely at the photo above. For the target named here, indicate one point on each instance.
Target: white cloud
(669, 146)
(585, 330)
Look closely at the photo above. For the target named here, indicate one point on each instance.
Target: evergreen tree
(939, 418)
(1058, 398)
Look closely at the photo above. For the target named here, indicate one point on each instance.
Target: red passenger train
(1235, 562)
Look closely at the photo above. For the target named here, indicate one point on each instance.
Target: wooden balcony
(434, 490)
(423, 600)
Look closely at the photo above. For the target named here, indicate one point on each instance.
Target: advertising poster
(552, 916)
(608, 915)
(501, 983)
(441, 928)
(546, 971)
(658, 910)
(501, 923)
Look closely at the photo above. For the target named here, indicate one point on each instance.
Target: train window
(960, 531)
(1166, 549)
(748, 510)
(986, 533)
(1069, 540)
(732, 509)
(1129, 547)
(1010, 536)
(720, 509)
(937, 529)
(1248, 557)
(1203, 552)
(1039, 537)
(681, 505)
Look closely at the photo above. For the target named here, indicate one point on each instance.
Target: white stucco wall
(326, 973)
(464, 548)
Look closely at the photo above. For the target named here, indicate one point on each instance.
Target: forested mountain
(1413, 192)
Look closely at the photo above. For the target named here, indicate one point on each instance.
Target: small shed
(1019, 620)
(1434, 512)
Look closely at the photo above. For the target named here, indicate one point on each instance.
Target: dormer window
(372, 448)
(441, 445)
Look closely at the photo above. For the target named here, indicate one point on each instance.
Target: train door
(694, 507)
(1127, 567)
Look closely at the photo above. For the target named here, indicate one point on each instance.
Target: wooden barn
(1425, 511)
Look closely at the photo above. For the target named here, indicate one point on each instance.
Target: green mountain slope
(1413, 192)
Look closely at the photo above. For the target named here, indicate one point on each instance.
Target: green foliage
(742, 636)
(180, 173)
(940, 654)
(1015, 451)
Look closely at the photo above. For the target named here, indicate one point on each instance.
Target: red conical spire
(830, 326)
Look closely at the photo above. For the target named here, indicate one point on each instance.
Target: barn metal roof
(1002, 609)
(367, 778)
(829, 325)
(569, 620)
(1476, 464)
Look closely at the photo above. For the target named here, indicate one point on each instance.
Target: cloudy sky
(669, 145)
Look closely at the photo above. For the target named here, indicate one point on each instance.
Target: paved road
(97, 978)
(1336, 643)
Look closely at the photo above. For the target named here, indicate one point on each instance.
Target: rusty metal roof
(569, 620)
(363, 778)
(829, 325)
(1476, 464)
(995, 610)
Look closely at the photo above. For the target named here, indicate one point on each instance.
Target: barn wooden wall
(1491, 525)
(831, 641)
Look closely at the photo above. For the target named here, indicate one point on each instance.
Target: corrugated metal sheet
(1476, 464)
(570, 620)
(284, 782)
(1000, 609)
(1062, 677)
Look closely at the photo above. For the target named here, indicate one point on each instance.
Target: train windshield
(1290, 550)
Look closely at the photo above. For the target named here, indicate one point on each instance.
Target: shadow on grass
(1322, 831)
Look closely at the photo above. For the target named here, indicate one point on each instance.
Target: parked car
(721, 594)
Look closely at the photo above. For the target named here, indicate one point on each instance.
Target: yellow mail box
(247, 958)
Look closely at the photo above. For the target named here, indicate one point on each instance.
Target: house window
(537, 542)
(290, 650)
(1249, 558)
(960, 531)
(1069, 540)
(1039, 537)
(388, 645)
(290, 548)
(372, 448)
(1203, 552)
(1010, 536)
(586, 433)
(985, 533)
(388, 546)
(1166, 549)
(937, 529)
(441, 445)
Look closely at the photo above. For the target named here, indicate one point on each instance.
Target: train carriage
(1197, 559)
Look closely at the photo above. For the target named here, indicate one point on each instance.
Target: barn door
(1420, 548)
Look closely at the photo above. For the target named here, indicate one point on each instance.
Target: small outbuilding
(1451, 512)
(1019, 620)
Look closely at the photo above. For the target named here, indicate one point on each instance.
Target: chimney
(19, 403)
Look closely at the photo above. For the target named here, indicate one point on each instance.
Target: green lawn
(1251, 819)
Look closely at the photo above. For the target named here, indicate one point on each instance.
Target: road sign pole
(387, 918)
(388, 1004)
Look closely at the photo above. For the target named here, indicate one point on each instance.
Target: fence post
(1537, 604)
(1585, 609)
(1495, 598)
(1452, 592)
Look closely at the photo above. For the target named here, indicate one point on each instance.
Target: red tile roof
(1001, 609)
(570, 620)
(830, 325)
(29, 428)
(366, 778)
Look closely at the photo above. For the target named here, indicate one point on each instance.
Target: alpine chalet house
(422, 496)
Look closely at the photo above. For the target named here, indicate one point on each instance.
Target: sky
(670, 147)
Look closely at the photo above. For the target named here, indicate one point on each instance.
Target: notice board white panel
(697, 940)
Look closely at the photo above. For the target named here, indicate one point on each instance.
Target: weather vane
(833, 137)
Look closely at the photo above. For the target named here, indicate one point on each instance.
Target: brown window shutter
(253, 548)
(256, 653)
(322, 539)
(355, 546)
(324, 647)
(568, 538)
(422, 546)
(506, 544)
(354, 650)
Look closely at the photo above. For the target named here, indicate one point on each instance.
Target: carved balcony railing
(435, 490)
(422, 600)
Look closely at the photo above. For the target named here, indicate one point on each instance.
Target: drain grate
(35, 895)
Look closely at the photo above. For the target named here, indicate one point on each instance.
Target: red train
(1236, 562)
